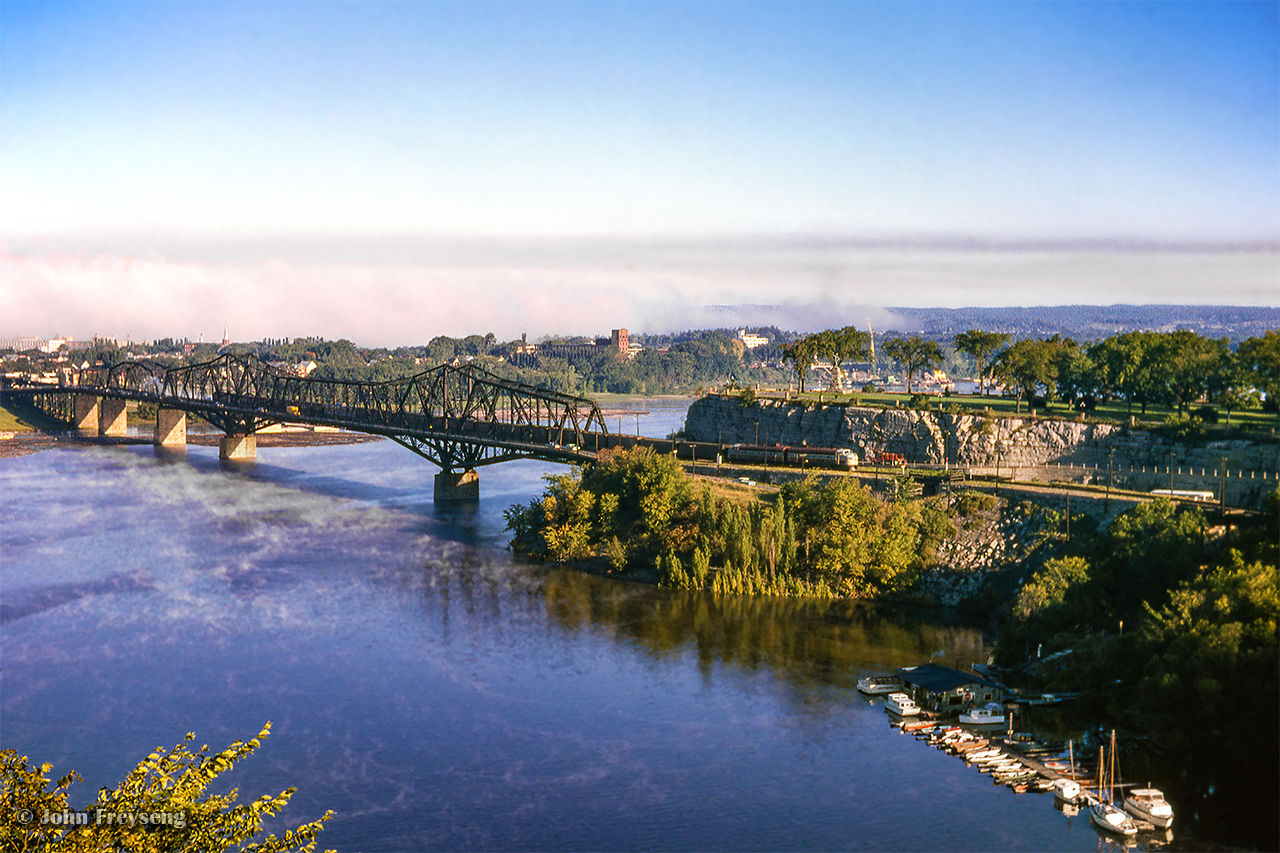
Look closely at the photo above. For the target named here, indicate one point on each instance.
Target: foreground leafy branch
(159, 807)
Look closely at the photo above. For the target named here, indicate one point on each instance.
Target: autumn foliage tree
(171, 783)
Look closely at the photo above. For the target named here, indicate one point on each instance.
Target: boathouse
(941, 688)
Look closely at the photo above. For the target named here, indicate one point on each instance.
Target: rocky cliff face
(963, 439)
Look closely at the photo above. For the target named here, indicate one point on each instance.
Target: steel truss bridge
(459, 417)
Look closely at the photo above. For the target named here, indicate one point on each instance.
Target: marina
(1025, 763)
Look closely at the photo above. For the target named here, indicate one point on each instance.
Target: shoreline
(27, 442)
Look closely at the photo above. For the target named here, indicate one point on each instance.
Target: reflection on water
(831, 642)
(438, 695)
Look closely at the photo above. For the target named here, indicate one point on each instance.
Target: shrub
(971, 502)
(918, 401)
(1207, 414)
(1182, 427)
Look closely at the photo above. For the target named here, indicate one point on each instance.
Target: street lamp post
(1110, 467)
(1222, 492)
(1172, 454)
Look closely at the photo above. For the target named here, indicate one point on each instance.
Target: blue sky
(265, 143)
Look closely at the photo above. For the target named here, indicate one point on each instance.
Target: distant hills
(1093, 322)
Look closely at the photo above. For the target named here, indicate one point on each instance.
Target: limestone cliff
(1021, 446)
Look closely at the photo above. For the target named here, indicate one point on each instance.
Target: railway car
(785, 456)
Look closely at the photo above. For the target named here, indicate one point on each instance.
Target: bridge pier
(114, 419)
(171, 428)
(457, 486)
(238, 448)
(85, 413)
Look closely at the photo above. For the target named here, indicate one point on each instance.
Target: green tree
(1187, 363)
(1209, 692)
(1230, 384)
(1125, 364)
(1048, 587)
(980, 346)
(1260, 358)
(802, 353)
(840, 345)
(1026, 365)
(171, 783)
(1071, 368)
(914, 354)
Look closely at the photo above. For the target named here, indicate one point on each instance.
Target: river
(437, 694)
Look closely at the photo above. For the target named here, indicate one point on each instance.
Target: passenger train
(783, 455)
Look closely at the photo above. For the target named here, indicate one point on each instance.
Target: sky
(387, 172)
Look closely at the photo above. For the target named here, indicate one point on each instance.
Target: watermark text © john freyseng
(102, 817)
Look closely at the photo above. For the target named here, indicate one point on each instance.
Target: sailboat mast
(1111, 772)
(1102, 768)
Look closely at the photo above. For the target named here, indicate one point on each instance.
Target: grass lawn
(23, 419)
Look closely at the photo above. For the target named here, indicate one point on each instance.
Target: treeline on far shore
(1192, 374)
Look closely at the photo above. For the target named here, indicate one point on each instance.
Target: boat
(1067, 790)
(901, 704)
(992, 713)
(1149, 804)
(875, 684)
(1103, 813)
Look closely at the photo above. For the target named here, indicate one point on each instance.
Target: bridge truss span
(458, 416)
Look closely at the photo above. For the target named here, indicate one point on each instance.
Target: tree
(1072, 371)
(1049, 587)
(167, 787)
(914, 354)
(1261, 358)
(1229, 384)
(980, 345)
(1125, 364)
(1186, 364)
(851, 344)
(1026, 365)
(802, 353)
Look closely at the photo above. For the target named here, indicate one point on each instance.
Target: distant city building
(618, 342)
(750, 340)
(21, 344)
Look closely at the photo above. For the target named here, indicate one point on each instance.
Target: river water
(437, 694)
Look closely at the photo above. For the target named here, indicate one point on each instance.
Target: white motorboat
(992, 713)
(1149, 804)
(901, 704)
(875, 684)
(1067, 790)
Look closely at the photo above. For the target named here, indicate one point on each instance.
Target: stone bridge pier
(238, 448)
(171, 428)
(85, 413)
(114, 419)
(457, 486)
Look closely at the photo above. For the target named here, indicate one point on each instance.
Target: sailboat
(1105, 815)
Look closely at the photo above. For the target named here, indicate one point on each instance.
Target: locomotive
(783, 455)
